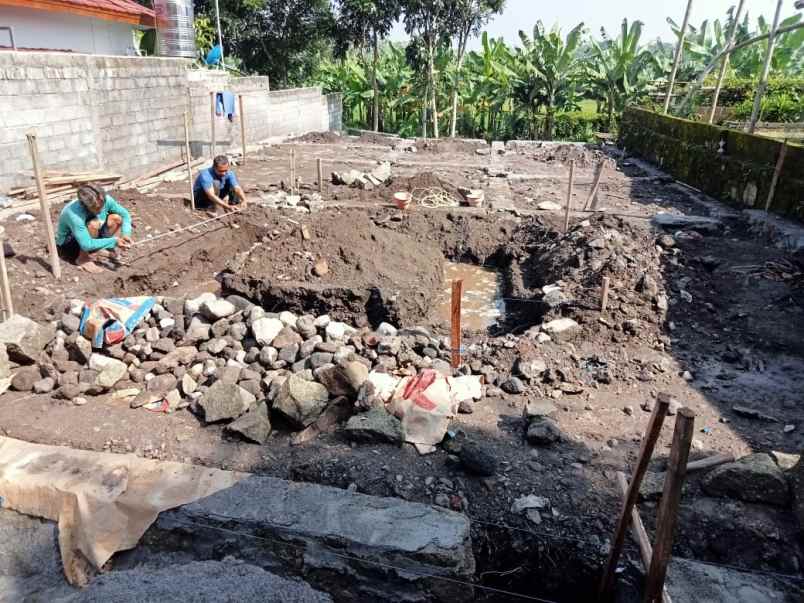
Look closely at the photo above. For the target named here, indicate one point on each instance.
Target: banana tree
(488, 80)
(619, 70)
(549, 71)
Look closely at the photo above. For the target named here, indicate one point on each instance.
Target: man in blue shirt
(93, 225)
(218, 185)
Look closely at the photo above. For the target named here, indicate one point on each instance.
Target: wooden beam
(189, 158)
(763, 77)
(44, 205)
(242, 127)
(590, 200)
(5, 288)
(725, 64)
(645, 453)
(569, 195)
(668, 508)
(457, 292)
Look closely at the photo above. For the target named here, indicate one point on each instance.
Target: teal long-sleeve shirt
(73, 224)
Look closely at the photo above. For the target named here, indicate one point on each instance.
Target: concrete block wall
(126, 114)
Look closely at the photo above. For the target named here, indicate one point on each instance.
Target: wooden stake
(45, 206)
(593, 193)
(8, 304)
(763, 76)
(292, 169)
(776, 173)
(604, 296)
(457, 291)
(668, 508)
(639, 532)
(320, 167)
(724, 65)
(212, 123)
(189, 157)
(242, 127)
(712, 461)
(648, 444)
(677, 60)
(569, 195)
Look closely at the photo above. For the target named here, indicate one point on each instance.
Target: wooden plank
(569, 195)
(8, 303)
(604, 296)
(639, 532)
(668, 507)
(646, 451)
(320, 169)
(457, 291)
(712, 461)
(45, 206)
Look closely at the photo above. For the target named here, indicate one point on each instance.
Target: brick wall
(125, 114)
(728, 164)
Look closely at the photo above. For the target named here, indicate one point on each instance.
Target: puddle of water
(482, 305)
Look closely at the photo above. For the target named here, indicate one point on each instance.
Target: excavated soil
(727, 335)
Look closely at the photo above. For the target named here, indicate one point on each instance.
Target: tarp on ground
(103, 502)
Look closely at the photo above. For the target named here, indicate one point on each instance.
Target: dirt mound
(376, 138)
(583, 156)
(327, 137)
(422, 181)
(342, 263)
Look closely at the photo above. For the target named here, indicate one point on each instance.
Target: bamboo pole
(44, 205)
(8, 304)
(569, 196)
(320, 168)
(457, 291)
(212, 123)
(763, 78)
(725, 64)
(189, 157)
(604, 296)
(242, 127)
(292, 169)
(593, 193)
(639, 532)
(668, 508)
(776, 173)
(677, 60)
(648, 444)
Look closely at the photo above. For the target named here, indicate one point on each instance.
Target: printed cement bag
(109, 321)
(425, 405)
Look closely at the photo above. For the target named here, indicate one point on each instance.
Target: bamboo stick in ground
(189, 157)
(457, 291)
(569, 195)
(595, 185)
(320, 167)
(604, 296)
(242, 127)
(45, 206)
(776, 173)
(212, 122)
(8, 304)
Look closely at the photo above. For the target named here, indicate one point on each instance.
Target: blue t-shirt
(207, 179)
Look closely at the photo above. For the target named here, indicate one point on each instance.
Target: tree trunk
(461, 51)
(376, 85)
(548, 123)
(611, 112)
(431, 77)
(424, 110)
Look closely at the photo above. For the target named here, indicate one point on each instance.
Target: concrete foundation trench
(518, 502)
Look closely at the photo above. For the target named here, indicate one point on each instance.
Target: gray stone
(289, 353)
(25, 378)
(305, 325)
(301, 401)
(324, 520)
(80, 349)
(25, 339)
(217, 309)
(319, 359)
(266, 329)
(164, 345)
(466, 407)
(535, 409)
(268, 356)
(542, 432)
(387, 330)
(44, 386)
(679, 222)
(198, 330)
(443, 367)
(216, 346)
(238, 331)
(220, 328)
(513, 385)
(188, 384)
(344, 380)
(70, 323)
(329, 347)
(254, 426)
(376, 425)
(531, 369)
(162, 384)
(286, 337)
(224, 401)
(68, 391)
(477, 459)
(561, 329)
(110, 370)
(193, 306)
(241, 303)
(230, 374)
(797, 486)
(252, 386)
(753, 478)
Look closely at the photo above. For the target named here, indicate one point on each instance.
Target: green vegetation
(553, 84)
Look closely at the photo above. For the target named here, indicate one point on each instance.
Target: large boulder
(223, 401)
(254, 426)
(25, 378)
(301, 401)
(345, 379)
(543, 431)
(753, 478)
(25, 339)
(797, 479)
(376, 425)
(217, 309)
(110, 371)
(561, 329)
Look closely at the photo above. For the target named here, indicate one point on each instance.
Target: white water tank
(175, 36)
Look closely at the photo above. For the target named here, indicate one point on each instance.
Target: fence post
(457, 291)
(44, 204)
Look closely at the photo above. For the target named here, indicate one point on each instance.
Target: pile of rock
(231, 361)
(365, 180)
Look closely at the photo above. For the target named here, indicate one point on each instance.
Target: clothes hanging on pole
(225, 104)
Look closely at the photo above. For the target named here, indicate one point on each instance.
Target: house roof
(126, 11)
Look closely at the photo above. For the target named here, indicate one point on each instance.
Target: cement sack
(103, 502)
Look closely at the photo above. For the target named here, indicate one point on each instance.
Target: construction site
(408, 369)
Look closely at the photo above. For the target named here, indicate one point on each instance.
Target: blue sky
(523, 14)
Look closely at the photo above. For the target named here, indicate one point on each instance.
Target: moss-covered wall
(726, 164)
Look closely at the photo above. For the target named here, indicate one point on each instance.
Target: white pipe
(220, 35)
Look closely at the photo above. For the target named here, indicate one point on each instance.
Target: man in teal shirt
(93, 225)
